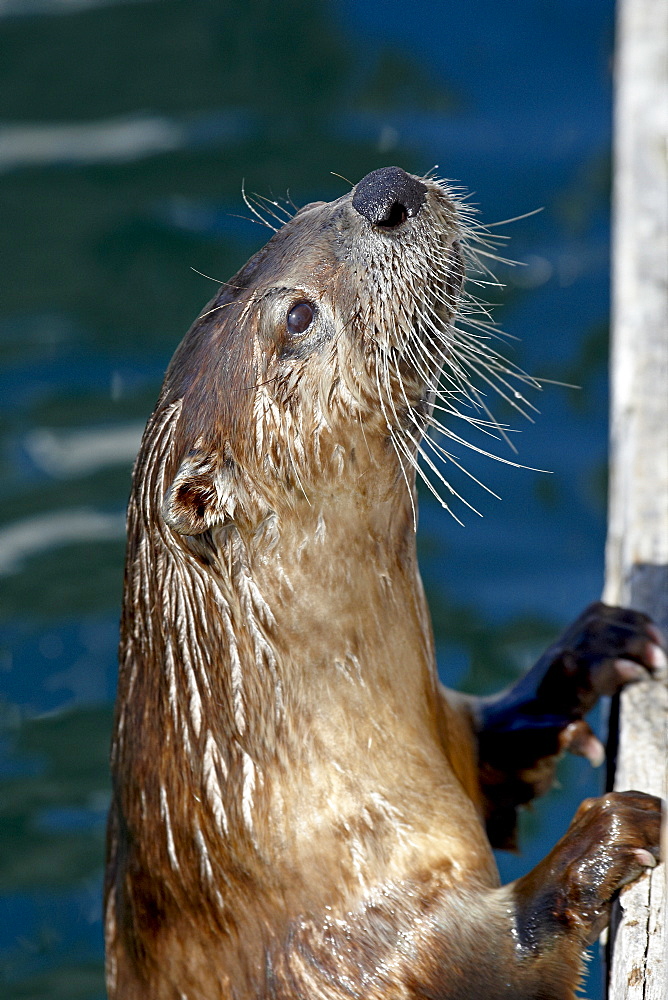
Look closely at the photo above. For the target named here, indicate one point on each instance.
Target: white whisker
(250, 205)
(427, 365)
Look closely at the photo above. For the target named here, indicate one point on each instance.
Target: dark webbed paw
(604, 649)
(610, 842)
(523, 730)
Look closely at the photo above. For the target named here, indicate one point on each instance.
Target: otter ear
(192, 503)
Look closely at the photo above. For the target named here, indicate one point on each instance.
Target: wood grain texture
(637, 548)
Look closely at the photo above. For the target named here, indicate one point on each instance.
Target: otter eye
(300, 317)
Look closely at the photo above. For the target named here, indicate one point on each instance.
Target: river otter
(299, 809)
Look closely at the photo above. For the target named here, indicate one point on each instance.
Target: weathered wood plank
(637, 548)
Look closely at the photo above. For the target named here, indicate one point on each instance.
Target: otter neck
(349, 607)
(293, 642)
(326, 611)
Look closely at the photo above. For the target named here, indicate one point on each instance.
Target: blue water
(126, 130)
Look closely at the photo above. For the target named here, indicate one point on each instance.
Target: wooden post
(637, 547)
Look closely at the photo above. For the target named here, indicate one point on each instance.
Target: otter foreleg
(522, 731)
(537, 928)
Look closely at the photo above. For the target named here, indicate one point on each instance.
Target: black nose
(389, 196)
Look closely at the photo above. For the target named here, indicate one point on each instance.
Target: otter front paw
(611, 841)
(523, 730)
(604, 649)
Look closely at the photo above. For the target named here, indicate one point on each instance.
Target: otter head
(319, 358)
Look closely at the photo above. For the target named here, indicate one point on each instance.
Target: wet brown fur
(297, 810)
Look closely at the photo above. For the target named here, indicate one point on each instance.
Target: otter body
(299, 808)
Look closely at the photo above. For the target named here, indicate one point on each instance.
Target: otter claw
(656, 657)
(644, 858)
(579, 739)
(628, 672)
